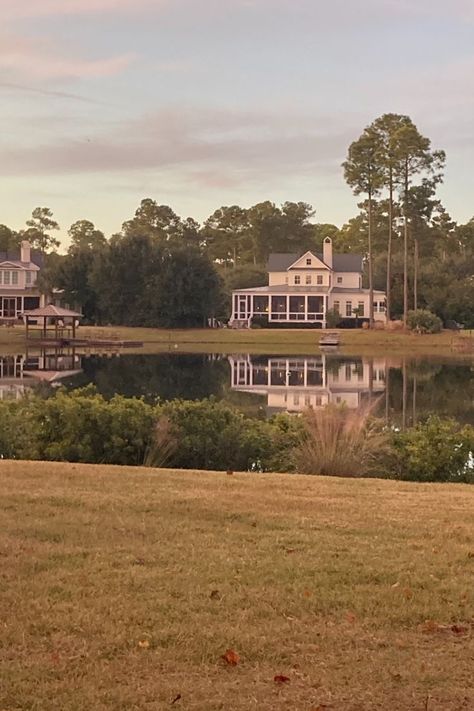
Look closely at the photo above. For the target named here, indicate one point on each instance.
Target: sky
(203, 103)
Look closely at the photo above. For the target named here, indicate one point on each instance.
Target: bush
(341, 442)
(423, 321)
(436, 450)
(212, 435)
(333, 318)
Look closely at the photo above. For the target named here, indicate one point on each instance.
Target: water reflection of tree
(190, 377)
(443, 389)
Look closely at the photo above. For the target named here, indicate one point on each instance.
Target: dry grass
(121, 589)
(267, 341)
(338, 441)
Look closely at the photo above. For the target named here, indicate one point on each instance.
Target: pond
(405, 389)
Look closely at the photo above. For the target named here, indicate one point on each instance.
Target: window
(286, 280)
(6, 278)
(319, 279)
(348, 308)
(297, 279)
(308, 279)
(308, 262)
(28, 278)
(339, 280)
(337, 307)
(360, 307)
(376, 306)
(14, 278)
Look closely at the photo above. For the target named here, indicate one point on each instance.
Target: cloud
(25, 9)
(38, 59)
(211, 147)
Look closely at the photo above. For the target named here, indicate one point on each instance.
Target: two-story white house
(303, 287)
(18, 276)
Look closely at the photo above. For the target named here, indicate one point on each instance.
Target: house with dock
(302, 288)
(19, 291)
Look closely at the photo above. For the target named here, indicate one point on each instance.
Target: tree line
(165, 270)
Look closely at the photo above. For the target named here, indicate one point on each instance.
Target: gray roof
(280, 262)
(15, 256)
(283, 289)
(348, 290)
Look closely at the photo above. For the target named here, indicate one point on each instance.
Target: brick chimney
(25, 252)
(327, 251)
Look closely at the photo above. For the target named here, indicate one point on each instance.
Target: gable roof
(14, 256)
(280, 262)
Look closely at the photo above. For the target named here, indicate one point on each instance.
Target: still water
(406, 389)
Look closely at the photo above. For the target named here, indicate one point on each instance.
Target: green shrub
(212, 435)
(84, 427)
(333, 318)
(423, 321)
(436, 450)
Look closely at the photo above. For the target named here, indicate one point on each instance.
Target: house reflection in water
(19, 373)
(295, 383)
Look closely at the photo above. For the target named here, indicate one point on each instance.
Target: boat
(329, 339)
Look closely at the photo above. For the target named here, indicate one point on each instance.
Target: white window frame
(308, 279)
(349, 309)
(297, 279)
(319, 279)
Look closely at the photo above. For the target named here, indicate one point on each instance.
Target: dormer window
(297, 279)
(308, 262)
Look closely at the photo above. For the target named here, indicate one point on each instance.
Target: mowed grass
(267, 341)
(122, 588)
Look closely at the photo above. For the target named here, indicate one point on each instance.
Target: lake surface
(406, 389)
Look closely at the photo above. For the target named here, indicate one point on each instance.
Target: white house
(18, 275)
(303, 287)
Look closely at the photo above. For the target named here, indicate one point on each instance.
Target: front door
(243, 307)
(9, 308)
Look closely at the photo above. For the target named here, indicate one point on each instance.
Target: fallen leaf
(459, 629)
(215, 595)
(307, 593)
(429, 626)
(231, 657)
(55, 657)
(144, 643)
(281, 679)
(139, 561)
(176, 698)
(396, 585)
(290, 550)
(408, 593)
(350, 617)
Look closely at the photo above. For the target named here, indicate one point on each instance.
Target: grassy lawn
(122, 588)
(268, 341)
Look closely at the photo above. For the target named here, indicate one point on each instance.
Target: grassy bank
(268, 341)
(122, 589)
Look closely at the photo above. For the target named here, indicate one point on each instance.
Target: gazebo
(59, 318)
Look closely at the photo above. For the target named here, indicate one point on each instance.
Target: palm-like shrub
(337, 441)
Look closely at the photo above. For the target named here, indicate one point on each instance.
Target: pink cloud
(23, 9)
(38, 59)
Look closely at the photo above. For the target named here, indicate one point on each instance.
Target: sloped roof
(280, 262)
(14, 255)
(52, 311)
(283, 289)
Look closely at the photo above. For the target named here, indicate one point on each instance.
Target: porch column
(287, 308)
(306, 307)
